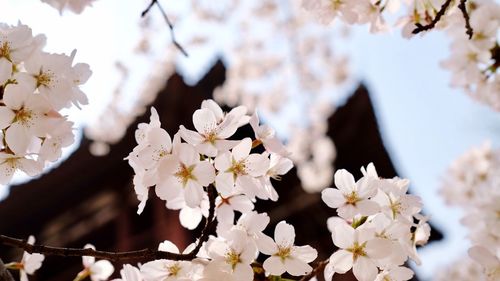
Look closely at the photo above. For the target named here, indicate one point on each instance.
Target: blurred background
(405, 118)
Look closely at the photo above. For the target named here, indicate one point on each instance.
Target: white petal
(193, 194)
(6, 116)
(344, 181)
(204, 121)
(305, 253)
(266, 245)
(168, 246)
(333, 197)
(187, 154)
(378, 248)
(297, 267)
(343, 237)
(18, 138)
(224, 183)
(364, 269)
(256, 165)
(215, 108)
(190, 218)
(101, 270)
(204, 173)
(284, 234)
(242, 150)
(15, 96)
(5, 70)
(341, 261)
(274, 266)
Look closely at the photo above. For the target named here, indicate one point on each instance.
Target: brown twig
(169, 23)
(468, 28)
(320, 266)
(143, 255)
(440, 13)
(4, 273)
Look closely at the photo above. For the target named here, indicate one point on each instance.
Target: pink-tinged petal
(367, 187)
(204, 121)
(168, 189)
(328, 273)
(187, 154)
(305, 253)
(168, 166)
(225, 214)
(275, 145)
(333, 197)
(168, 246)
(284, 234)
(215, 108)
(5, 70)
(364, 234)
(190, 218)
(344, 181)
(274, 266)
(256, 165)
(158, 136)
(364, 269)
(341, 261)
(254, 123)
(225, 145)
(242, 204)
(18, 138)
(244, 272)
(367, 207)
(7, 170)
(347, 211)
(378, 248)
(248, 185)
(6, 116)
(30, 167)
(242, 150)
(204, 173)
(282, 166)
(224, 183)
(483, 257)
(189, 136)
(23, 276)
(101, 270)
(207, 149)
(343, 237)
(15, 96)
(402, 273)
(193, 194)
(223, 162)
(297, 267)
(266, 245)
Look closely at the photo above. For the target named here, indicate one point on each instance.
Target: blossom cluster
(76, 6)
(377, 228)
(473, 183)
(473, 62)
(35, 86)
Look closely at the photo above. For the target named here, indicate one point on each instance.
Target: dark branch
(320, 266)
(143, 255)
(440, 13)
(468, 28)
(169, 23)
(4, 273)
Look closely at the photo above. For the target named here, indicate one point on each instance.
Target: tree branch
(468, 28)
(169, 23)
(4, 273)
(143, 255)
(440, 13)
(320, 266)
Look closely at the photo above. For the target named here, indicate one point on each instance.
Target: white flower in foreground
(182, 172)
(97, 271)
(240, 169)
(234, 255)
(284, 256)
(129, 273)
(212, 129)
(267, 136)
(9, 163)
(359, 249)
(488, 260)
(351, 198)
(29, 263)
(167, 270)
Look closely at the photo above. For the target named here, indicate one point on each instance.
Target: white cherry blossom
(96, 270)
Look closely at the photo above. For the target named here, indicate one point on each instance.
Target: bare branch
(143, 255)
(169, 23)
(468, 28)
(440, 13)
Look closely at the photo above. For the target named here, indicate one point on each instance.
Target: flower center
(174, 269)
(24, 116)
(238, 168)
(284, 252)
(5, 50)
(44, 78)
(357, 250)
(352, 198)
(233, 259)
(210, 137)
(184, 174)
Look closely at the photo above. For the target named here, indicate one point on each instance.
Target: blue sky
(425, 123)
